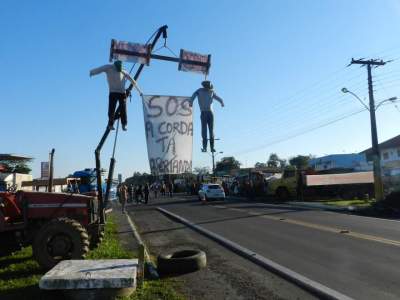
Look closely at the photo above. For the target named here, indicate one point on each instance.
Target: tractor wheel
(96, 237)
(60, 239)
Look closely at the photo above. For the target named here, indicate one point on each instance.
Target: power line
(305, 112)
(284, 124)
(384, 53)
(274, 116)
(299, 134)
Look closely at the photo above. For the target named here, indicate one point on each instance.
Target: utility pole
(213, 163)
(51, 171)
(213, 154)
(378, 185)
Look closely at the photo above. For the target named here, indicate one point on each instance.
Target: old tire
(181, 262)
(60, 239)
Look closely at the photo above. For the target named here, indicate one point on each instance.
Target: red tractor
(61, 225)
(58, 225)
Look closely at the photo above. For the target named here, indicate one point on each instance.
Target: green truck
(299, 184)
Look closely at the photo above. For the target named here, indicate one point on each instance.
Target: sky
(278, 65)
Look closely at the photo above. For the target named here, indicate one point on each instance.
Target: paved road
(227, 275)
(354, 255)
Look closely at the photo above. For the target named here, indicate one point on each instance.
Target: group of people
(129, 193)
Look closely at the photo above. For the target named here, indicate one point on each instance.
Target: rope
(158, 49)
(170, 50)
(115, 139)
(166, 47)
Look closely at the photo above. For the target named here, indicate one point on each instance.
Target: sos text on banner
(168, 122)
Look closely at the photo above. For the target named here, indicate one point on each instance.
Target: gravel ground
(227, 276)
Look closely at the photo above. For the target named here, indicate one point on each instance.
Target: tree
(300, 161)
(16, 166)
(140, 178)
(260, 165)
(273, 160)
(282, 163)
(201, 170)
(227, 164)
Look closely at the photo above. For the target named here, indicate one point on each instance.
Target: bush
(392, 200)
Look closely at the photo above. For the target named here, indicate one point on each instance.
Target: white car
(211, 191)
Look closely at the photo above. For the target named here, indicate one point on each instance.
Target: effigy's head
(118, 65)
(207, 84)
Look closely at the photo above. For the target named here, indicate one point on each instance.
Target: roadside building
(390, 156)
(352, 162)
(13, 171)
(390, 163)
(59, 185)
(13, 181)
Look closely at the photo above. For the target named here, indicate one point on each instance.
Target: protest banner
(129, 52)
(194, 62)
(168, 123)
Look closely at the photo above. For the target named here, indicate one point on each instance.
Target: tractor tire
(58, 240)
(96, 237)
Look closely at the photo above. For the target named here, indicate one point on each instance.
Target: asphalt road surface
(227, 275)
(354, 255)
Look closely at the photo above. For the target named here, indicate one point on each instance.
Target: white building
(390, 156)
(13, 180)
(351, 162)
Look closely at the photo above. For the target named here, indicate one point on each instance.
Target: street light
(391, 99)
(344, 90)
(378, 186)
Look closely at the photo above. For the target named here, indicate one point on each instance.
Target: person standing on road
(123, 194)
(146, 191)
(163, 188)
(136, 194)
(139, 193)
(116, 78)
(205, 97)
(155, 189)
(170, 188)
(130, 193)
(225, 187)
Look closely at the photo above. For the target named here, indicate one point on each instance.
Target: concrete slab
(91, 274)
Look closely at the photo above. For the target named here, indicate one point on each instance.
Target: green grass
(110, 247)
(157, 290)
(345, 203)
(20, 274)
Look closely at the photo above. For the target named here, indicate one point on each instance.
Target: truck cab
(286, 186)
(88, 184)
